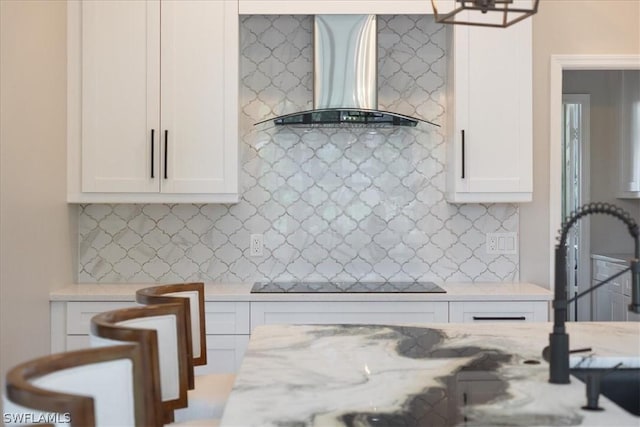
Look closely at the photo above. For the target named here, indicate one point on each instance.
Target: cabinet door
(601, 297)
(199, 51)
(120, 95)
(601, 303)
(630, 316)
(619, 307)
(498, 311)
(224, 354)
(490, 136)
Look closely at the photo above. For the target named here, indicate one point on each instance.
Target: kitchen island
(430, 375)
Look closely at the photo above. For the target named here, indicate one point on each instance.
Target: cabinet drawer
(347, 312)
(602, 270)
(79, 314)
(77, 342)
(224, 353)
(494, 311)
(226, 318)
(605, 269)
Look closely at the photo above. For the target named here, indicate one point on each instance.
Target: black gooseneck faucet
(558, 339)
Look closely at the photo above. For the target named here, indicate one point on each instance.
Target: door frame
(558, 64)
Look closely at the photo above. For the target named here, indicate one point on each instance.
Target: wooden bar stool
(98, 386)
(208, 393)
(159, 331)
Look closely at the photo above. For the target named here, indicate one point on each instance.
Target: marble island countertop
(427, 375)
(241, 292)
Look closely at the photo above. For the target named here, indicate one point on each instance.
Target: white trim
(558, 64)
(314, 7)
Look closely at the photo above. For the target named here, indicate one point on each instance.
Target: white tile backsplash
(332, 203)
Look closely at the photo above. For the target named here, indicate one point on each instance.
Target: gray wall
(36, 245)
(564, 28)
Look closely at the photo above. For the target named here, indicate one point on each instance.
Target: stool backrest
(99, 386)
(191, 295)
(159, 330)
(194, 292)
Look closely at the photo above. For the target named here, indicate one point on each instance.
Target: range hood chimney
(345, 83)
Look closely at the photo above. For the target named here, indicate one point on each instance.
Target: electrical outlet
(502, 243)
(256, 245)
(492, 243)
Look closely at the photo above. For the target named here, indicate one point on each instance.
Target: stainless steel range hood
(345, 87)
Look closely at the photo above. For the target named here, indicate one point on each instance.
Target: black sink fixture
(346, 287)
(621, 386)
(559, 339)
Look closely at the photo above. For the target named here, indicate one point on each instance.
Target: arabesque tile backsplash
(332, 203)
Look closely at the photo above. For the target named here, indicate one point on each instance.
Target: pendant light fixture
(486, 13)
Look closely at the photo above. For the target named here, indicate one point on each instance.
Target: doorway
(559, 64)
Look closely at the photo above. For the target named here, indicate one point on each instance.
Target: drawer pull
(463, 154)
(499, 318)
(153, 131)
(166, 154)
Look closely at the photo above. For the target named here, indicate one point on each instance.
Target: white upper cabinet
(153, 102)
(630, 135)
(489, 122)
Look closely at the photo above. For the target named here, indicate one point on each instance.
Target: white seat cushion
(208, 398)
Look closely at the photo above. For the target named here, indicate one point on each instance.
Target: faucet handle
(547, 351)
(580, 350)
(593, 387)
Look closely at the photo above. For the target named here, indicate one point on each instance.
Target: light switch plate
(502, 243)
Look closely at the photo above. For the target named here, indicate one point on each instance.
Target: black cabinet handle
(499, 318)
(166, 153)
(153, 131)
(463, 154)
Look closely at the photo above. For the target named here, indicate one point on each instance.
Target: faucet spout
(559, 339)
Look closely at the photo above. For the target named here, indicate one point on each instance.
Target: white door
(120, 95)
(199, 96)
(575, 193)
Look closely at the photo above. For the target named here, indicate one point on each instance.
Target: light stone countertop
(429, 374)
(241, 292)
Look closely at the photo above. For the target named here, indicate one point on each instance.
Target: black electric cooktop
(344, 287)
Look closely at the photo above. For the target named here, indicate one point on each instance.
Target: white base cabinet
(227, 326)
(229, 323)
(611, 301)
